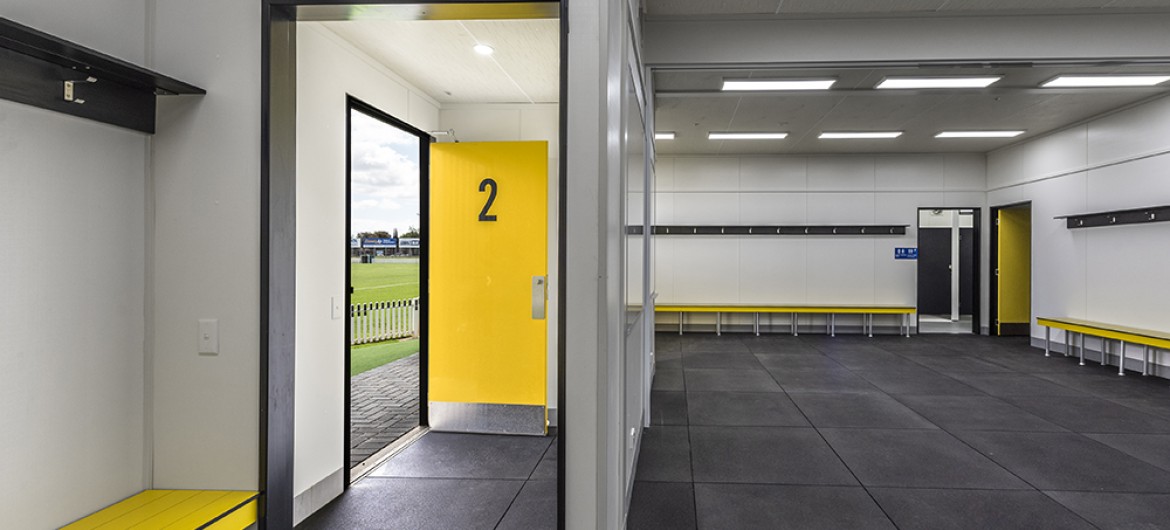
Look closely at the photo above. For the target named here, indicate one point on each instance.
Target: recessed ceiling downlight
(483, 49)
(938, 82)
(860, 135)
(747, 135)
(778, 84)
(1090, 81)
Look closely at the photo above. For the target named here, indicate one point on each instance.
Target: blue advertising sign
(355, 243)
(379, 242)
(905, 253)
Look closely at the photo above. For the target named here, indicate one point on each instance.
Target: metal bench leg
(796, 324)
(832, 324)
(1121, 359)
(680, 322)
(718, 323)
(871, 325)
(1104, 350)
(1047, 341)
(1145, 360)
(757, 324)
(1067, 343)
(1082, 337)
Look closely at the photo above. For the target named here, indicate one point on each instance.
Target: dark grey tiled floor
(448, 481)
(930, 432)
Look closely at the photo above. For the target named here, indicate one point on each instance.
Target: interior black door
(934, 271)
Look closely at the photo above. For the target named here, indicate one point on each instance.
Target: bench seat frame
(866, 312)
(1077, 328)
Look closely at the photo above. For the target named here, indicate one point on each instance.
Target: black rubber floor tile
(916, 459)
(456, 455)
(668, 408)
(798, 361)
(765, 409)
(417, 503)
(534, 508)
(765, 455)
(730, 381)
(957, 364)
(858, 410)
(1157, 406)
(871, 360)
(720, 361)
(669, 363)
(1150, 448)
(788, 346)
(1118, 511)
(1092, 415)
(711, 343)
(922, 382)
(1068, 461)
(662, 506)
(835, 381)
(1014, 384)
(1104, 382)
(547, 468)
(977, 413)
(947, 509)
(669, 380)
(774, 507)
(665, 455)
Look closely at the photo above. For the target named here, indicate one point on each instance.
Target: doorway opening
(948, 270)
(1011, 262)
(387, 169)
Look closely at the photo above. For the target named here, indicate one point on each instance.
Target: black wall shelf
(37, 67)
(1152, 214)
(774, 230)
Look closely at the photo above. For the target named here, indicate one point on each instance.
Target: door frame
(352, 103)
(993, 267)
(278, 111)
(977, 229)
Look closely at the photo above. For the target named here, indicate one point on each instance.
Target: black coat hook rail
(1151, 214)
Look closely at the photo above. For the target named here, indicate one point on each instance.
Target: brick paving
(383, 407)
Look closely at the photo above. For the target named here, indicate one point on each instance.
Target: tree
(372, 235)
(410, 232)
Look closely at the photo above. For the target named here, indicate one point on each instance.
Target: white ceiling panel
(437, 57)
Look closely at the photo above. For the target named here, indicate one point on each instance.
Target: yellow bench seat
(1123, 334)
(175, 510)
(867, 312)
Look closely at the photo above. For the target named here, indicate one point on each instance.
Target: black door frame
(976, 223)
(993, 267)
(278, 79)
(424, 193)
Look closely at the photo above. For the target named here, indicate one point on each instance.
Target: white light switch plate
(335, 304)
(208, 336)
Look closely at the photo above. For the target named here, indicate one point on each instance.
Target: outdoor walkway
(383, 406)
(928, 432)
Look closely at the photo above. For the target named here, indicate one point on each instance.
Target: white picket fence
(377, 321)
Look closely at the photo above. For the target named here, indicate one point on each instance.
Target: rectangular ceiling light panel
(747, 135)
(1089, 81)
(860, 135)
(938, 82)
(664, 136)
(777, 84)
(978, 134)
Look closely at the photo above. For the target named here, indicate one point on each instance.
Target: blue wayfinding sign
(905, 253)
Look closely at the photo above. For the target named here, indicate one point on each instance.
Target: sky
(385, 177)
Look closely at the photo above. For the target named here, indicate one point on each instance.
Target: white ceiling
(782, 8)
(690, 104)
(437, 57)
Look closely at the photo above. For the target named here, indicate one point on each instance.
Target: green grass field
(381, 282)
(370, 356)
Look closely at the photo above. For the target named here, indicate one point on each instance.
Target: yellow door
(487, 284)
(1015, 271)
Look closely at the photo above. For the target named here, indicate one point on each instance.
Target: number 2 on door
(483, 214)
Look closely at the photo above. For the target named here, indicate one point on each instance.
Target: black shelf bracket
(54, 74)
(1152, 214)
(773, 230)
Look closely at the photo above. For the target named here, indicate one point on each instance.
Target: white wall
(775, 190)
(72, 255)
(1109, 274)
(206, 262)
(522, 122)
(329, 69)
